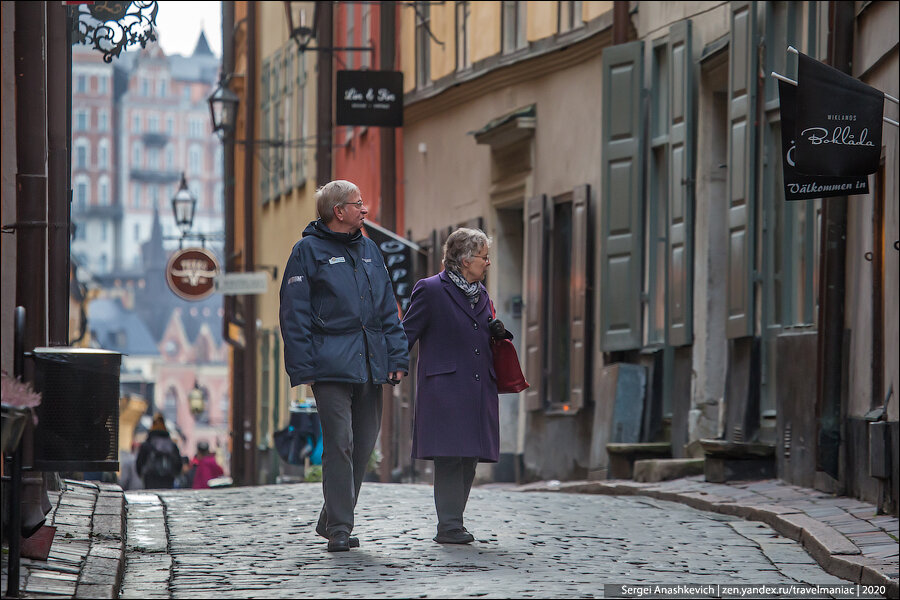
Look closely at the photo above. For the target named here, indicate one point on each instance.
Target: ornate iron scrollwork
(110, 27)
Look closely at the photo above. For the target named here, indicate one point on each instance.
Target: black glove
(498, 330)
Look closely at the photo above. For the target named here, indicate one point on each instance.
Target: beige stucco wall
(541, 19)
(407, 35)
(485, 38)
(592, 10)
(443, 26)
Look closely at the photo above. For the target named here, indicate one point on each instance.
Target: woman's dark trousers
(453, 477)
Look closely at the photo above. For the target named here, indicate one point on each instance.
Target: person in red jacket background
(206, 467)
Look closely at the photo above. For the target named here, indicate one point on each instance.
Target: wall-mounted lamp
(184, 204)
(223, 105)
(196, 400)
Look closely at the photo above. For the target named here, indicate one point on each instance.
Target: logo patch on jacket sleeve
(336, 259)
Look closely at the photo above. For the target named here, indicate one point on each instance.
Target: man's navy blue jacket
(338, 311)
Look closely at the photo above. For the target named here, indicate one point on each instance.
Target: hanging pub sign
(372, 98)
(798, 186)
(838, 127)
(191, 273)
(399, 254)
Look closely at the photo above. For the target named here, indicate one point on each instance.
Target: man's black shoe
(339, 542)
(354, 541)
(457, 536)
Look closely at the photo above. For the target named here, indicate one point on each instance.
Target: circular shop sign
(191, 273)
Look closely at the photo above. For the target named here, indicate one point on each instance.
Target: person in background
(159, 460)
(205, 467)
(128, 474)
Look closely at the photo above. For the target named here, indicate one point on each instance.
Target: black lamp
(183, 206)
(223, 105)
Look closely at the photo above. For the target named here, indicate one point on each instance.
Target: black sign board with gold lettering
(373, 98)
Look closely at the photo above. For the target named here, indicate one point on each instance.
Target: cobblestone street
(259, 542)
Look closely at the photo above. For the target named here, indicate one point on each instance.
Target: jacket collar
(460, 299)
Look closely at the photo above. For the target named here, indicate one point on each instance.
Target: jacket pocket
(440, 369)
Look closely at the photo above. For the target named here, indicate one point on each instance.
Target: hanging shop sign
(399, 255)
(798, 186)
(369, 98)
(191, 273)
(838, 122)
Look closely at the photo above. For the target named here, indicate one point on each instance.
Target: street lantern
(196, 400)
(183, 206)
(223, 108)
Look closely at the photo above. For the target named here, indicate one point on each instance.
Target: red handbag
(510, 379)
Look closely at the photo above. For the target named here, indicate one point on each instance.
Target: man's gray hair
(464, 243)
(333, 193)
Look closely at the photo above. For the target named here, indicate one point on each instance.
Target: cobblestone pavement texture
(259, 542)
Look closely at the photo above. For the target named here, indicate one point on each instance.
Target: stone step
(664, 469)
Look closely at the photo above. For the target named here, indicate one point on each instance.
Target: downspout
(325, 39)
(833, 270)
(249, 262)
(228, 302)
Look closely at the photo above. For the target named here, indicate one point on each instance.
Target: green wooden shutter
(535, 241)
(681, 185)
(579, 296)
(741, 169)
(622, 216)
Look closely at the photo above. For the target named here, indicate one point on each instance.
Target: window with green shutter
(741, 184)
(621, 198)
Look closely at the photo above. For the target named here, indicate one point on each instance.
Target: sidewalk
(844, 535)
(87, 555)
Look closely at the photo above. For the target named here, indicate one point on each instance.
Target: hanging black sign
(370, 98)
(798, 186)
(398, 256)
(838, 122)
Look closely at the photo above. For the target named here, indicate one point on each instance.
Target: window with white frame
(137, 155)
(103, 85)
(569, 16)
(81, 84)
(195, 160)
(170, 124)
(82, 152)
(103, 154)
(145, 87)
(463, 9)
(82, 119)
(153, 159)
(513, 26)
(197, 127)
(423, 44)
(103, 119)
(154, 197)
(135, 122)
(153, 123)
(103, 191)
(136, 195)
(170, 157)
(163, 88)
(82, 188)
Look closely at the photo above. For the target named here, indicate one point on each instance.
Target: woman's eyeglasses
(485, 258)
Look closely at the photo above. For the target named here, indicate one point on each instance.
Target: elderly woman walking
(456, 416)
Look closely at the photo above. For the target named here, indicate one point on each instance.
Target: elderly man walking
(342, 334)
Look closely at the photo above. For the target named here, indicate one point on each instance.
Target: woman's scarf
(471, 290)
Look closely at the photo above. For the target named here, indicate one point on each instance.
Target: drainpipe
(832, 269)
(248, 477)
(59, 111)
(620, 21)
(325, 39)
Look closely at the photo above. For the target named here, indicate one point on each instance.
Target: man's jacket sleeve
(397, 345)
(295, 317)
(415, 321)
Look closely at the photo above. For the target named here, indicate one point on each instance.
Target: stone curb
(832, 550)
(104, 565)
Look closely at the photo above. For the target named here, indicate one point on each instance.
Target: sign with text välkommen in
(838, 122)
(369, 98)
(798, 186)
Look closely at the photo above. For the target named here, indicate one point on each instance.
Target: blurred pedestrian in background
(205, 467)
(129, 479)
(159, 460)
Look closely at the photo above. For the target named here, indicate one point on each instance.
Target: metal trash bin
(78, 418)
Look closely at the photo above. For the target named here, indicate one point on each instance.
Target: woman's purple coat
(457, 411)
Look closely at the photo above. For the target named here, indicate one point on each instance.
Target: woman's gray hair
(464, 243)
(333, 194)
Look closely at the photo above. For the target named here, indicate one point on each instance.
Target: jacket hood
(320, 230)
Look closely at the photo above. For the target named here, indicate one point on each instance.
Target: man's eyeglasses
(357, 204)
